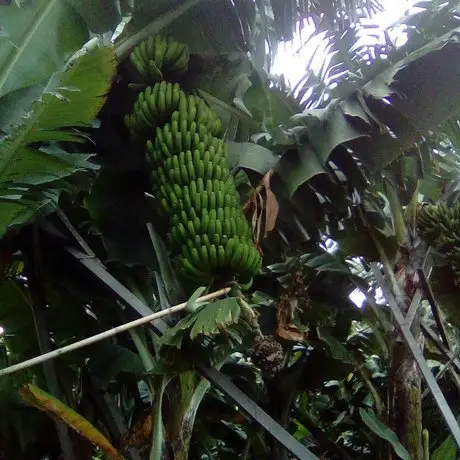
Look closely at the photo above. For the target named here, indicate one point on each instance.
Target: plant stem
(146, 357)
(123, 48)
(426, 444)
(157, 419)
(400, 228)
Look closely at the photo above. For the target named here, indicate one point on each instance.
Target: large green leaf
(446, 451)
(252, 156)
(208, 319)
(381, 430)
(36, 39)
(15, 105)
(27, 166)
(217, 29)
(72, 98)
(269, 105)
(17, 210)
(376, 129)
(215, 316)
(323, 131)
(435, 88)
(100, 15)
(336, 349)
(107, 361)
(337, 149)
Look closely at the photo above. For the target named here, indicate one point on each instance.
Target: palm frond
(337, 62)
(327, 15)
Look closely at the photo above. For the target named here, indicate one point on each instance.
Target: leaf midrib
(19, 49)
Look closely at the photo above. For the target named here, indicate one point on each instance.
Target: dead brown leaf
(139, 435)
(294, 299)
(285, 310)
(271, 205)
(263, 208)
(290, 332)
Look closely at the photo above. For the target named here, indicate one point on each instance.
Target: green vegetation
(149, 144)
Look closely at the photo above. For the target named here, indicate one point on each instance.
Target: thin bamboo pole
(104, 335)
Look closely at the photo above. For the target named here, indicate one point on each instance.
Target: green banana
(204, 221)
(229, 248)
(195, 257)
(211, 226)
(244, 261)
(204, 256)
(212, 200)
(237, 254)
(213, 256)
(220, 256)
(189, 268)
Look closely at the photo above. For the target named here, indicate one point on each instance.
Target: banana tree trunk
(405, 404)
(404, 379)
(185, 394)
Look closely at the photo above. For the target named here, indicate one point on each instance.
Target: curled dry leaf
(294, 298)
(271, 204)
(285, 310)
(57, 410)
(257, 217)
(263, 208)
(290, 333)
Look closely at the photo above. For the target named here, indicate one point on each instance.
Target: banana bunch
(187, 136)
(191, 174)
(209, 231)
(154, 106)
(439, 226)
(159, 56)
(194, 109)
(166, 101)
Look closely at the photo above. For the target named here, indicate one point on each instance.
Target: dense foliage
(152, 140)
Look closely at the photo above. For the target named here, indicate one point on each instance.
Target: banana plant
(300, 173)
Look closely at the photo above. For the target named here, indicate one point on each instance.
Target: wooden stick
(104, 335)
